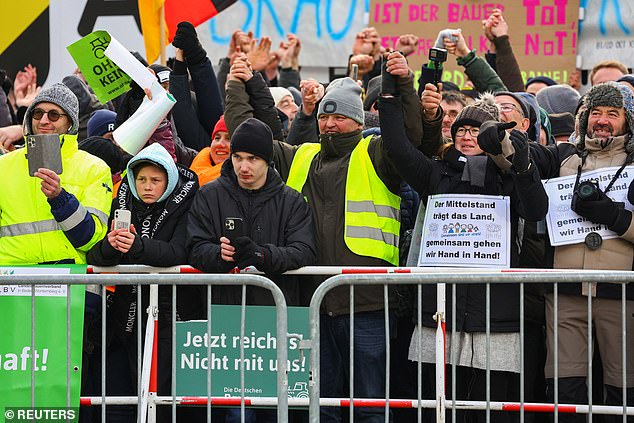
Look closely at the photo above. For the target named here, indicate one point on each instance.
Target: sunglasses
(53, 115)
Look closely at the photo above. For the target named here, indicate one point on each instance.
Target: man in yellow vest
(351, 187)
(51, 218)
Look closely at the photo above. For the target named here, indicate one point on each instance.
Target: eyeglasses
(53, 115)
(461, 132)
(509, 107)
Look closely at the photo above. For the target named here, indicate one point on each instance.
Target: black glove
(186, 39)
(491, 135)
(248, 253)
(521, 160)
(603, 210)
(630, 194)
(388, 81)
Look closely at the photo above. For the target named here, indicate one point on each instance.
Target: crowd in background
(332, 173)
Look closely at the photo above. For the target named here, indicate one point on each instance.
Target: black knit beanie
(477, 113)
(255, 137)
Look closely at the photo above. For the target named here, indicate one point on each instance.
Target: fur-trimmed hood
(610, 94)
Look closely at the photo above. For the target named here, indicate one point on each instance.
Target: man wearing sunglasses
(51, 218)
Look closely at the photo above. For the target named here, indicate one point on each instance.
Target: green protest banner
(49, 353)
(260, 353)
(102, 74)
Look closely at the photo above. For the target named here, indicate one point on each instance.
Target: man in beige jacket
(604, 140)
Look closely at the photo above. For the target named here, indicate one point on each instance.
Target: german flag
(194, 11)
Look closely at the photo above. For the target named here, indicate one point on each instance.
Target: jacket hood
(158, 156)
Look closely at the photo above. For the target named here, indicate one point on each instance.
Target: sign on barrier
(47, 357)
(260, 362)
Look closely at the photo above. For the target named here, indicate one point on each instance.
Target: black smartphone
(234, 228)
(44, 151)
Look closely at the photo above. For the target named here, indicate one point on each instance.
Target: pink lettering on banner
(424, 45)
(535, 45)
(458, 12)
(482, 43)
(387, 12)
(423, 12)
(548, 15)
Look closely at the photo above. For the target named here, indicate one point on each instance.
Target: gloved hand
(248, 253)
(521, 159)
(603, 210)
(491, 135)
(186, 39)
(630, 193)
(388, 81)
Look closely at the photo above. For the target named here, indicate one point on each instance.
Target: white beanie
(278, 93)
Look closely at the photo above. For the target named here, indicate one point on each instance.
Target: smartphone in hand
(122, 219)
(234, 228)
(44, 150)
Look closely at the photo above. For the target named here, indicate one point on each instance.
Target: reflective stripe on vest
(372, 215)
(51, 225)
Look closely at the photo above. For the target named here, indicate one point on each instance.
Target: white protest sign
(567, 227)
(466, 231)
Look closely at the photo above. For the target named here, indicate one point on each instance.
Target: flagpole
(162, 39)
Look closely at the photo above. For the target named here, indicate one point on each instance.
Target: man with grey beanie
(51, 218)
(352, 188)
(71, 213)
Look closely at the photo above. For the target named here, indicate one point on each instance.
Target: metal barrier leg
(150, 356)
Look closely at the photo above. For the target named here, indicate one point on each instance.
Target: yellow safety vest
(29, 234)
(372, 211)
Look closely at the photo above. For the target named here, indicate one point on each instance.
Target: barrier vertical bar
(453, 352)
(103, 352)
(351, 352)
(488, 352)
(386, 307)
(139, 352)
(173, 352)
(522, 377)
(68, 325)
(589, 346)
(556, 349)
(440, 352)
(208, 311)
(624, 349)
(419, 351)
(32, 345)
(148, 386)
(242, 324)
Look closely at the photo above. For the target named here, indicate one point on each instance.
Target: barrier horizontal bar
(370, 403)
(325, 270)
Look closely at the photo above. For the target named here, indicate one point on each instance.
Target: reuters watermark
(40, 414)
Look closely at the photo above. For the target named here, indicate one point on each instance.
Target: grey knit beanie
(62, 96)
(483, 109)
(343, 97)
(558, 99)
(610, 94)
(372, 93)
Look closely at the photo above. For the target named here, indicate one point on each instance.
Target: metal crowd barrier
(147, 397)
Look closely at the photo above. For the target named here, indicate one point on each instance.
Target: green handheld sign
(105, 78)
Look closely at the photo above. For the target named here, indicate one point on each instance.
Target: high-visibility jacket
(372, 211)
(29, 234)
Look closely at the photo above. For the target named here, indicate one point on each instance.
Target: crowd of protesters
(332, 174)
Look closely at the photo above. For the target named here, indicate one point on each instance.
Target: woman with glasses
(462, 167)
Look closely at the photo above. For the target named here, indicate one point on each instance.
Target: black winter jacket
(428, 177)
(275, 217)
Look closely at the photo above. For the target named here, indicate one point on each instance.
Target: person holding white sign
(463, 168)
(605, 141)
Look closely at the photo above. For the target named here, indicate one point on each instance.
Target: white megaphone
(134, 132)
(137, 130)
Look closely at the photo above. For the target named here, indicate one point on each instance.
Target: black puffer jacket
(275, 217)
(428, 177)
